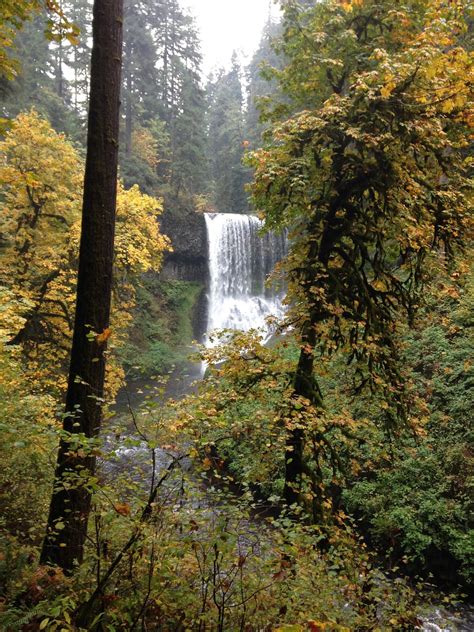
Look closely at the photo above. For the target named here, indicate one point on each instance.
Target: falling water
(240, 260)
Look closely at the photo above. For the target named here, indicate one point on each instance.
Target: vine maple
(371, 177)
(41, 179)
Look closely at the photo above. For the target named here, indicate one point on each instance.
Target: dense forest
(310, 465)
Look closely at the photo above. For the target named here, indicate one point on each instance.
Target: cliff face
(188, 261)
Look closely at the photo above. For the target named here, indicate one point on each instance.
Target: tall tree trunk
(59, 78)
(59, 71)
(165, 61)
(71, 499)
(302, 387)
(128, 98)
(305, 384)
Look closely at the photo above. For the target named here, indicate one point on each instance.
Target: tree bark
(303, 386)
(128, 98)
(70, 504)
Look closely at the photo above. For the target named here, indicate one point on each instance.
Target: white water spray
(240, 260)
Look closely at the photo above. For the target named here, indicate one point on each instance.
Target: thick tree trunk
(128, 99)
(70, 504)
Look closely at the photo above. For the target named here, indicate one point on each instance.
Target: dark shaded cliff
(172, 305)
(189, 260)
(187, 231)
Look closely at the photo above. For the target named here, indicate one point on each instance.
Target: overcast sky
(227, 25)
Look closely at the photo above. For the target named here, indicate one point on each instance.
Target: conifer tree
(189, 163)
(226, 141)
(36, 83)
(71, 499)
(261, 81)
(78, 55)
(140, 81)
(161, 85)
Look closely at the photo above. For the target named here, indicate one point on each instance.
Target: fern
(14, 619)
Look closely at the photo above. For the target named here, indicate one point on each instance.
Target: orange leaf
(104, 336)
(123, 509)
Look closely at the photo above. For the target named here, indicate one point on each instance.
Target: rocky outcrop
(189, 259)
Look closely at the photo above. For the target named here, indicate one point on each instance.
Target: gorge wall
(189, 259)
(188, 262)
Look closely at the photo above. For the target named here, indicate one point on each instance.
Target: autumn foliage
(41, 176)
(255, 503)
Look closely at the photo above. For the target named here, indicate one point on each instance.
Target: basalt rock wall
(189, 259)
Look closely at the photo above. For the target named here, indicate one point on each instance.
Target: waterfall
(240, 260)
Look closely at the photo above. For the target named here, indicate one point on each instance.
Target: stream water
(240, 260)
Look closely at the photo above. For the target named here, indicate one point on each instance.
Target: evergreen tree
(36, 84)
(71, 499)
(161, 86)
(78, 56)
(226, 141)
(189, 157)
(161, 91)
(139, 72)
(14, 14)
(261, 80)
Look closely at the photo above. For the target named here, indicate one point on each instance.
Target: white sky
(228, 25)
